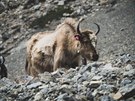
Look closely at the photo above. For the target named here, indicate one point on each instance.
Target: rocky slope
(96, 81)
(20, 19)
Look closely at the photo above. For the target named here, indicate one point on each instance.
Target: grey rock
(125, 92)
(41, 93)
(34, 85)
(61, 2)
(88, 75)
(70, 73)
(12, 4)
(106, 98)
(7, 82)
(125, 81)
(46, 77)
(85, 68)
(77, 77)
(58, 73)
(66, 89)
(85, 83)
(127, 89)
(107, 2)
(128, 67)
(95, 84)
(97, 77)
(132, 58)
(125, 58)
(2, 7)
(130, 73)
(108, 66)
(106, 89)
(60, 97)
(36, 7)
(89, 95)
(109, 71)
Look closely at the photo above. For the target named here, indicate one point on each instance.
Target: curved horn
(78, 24)
(98, 28)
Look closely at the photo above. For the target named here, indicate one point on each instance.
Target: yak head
(87, 40)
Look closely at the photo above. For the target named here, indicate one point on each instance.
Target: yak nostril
(95, 57)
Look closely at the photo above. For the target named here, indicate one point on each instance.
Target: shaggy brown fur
(64, 47)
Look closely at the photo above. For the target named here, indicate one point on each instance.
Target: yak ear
(2, 60)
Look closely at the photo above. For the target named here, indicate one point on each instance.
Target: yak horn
(78, 25)
(98, 28)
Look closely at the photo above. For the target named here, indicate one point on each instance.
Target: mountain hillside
(20, 19)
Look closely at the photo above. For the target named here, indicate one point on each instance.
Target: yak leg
(58, 59)
(33, 72)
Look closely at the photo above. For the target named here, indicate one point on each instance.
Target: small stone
(65, 86)
(108, 66)
(2, 7)
(122, 29)
(106, 98)
(77, 77)
(95, 84)
(106, 2)
(126, 91)
(16, 37)
(117, 96)
(57, 74)
(52, 84)
(60, 97)
(46, 77)
(67, 89)
(125, 58)
(40, 94)
(81, 98)
(130, 73)
(96, 78)
(95, 92)
(38, 97)
(88, 75)
(132, 58)
(128, 67)
(61, 3)
(85, 83)
(89, 95)
(34, 85)
(36, 7)
(85, 68)
(65, 81)
(110, 71)
(125, 81)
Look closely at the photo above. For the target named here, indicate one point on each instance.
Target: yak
(66, 46)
